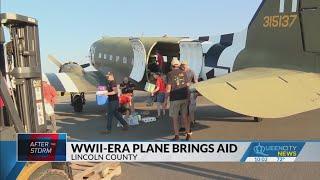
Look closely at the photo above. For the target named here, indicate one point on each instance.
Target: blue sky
(68, 27)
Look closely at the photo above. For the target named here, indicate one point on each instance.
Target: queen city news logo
(273, 149)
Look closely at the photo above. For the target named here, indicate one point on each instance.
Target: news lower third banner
(55, 147)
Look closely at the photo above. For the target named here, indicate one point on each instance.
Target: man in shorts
(178, 89)
(192, 78)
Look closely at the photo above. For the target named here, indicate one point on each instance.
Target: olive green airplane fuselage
(115, 54)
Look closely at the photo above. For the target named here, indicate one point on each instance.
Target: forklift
(21, 92)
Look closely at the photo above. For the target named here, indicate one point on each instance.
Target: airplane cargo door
(191, 52)
(310, 21)
(139, 59)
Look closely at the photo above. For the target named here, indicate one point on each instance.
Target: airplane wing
(264, 92)
(72, 82)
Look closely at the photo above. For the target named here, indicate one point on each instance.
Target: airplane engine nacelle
(71, 67)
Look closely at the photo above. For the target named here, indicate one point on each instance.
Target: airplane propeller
(60, 64)
(55, 61)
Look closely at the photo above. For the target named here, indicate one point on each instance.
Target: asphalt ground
(213, 123)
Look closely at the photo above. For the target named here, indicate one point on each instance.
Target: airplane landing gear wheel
(77, 101)
(52, 174)
(257, 119)
(78, 104)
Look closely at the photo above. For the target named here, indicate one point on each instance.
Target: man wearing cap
(178, 89)
(113, 104)
(192, 78)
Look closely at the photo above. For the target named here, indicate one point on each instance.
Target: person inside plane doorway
(178, 89)
(50, 99)
(113, 104)
(153, 66)
(160, 61)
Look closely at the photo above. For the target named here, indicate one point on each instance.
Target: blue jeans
(112, 108)
(160, 97)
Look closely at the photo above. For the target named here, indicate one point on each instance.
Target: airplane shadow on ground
(217, 113)
(89, 124)
(193, 170)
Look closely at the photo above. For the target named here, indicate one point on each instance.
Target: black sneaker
(182, 130)
(176, 138)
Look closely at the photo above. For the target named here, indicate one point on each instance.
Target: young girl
(160, 93)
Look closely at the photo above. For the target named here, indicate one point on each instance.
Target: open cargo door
(310, 20)
(139, 59)
(191, 51)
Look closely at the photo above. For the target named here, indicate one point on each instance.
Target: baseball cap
(175, 62)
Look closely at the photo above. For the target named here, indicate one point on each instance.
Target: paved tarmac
(214, 123)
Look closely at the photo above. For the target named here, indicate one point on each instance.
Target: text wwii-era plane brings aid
(269, 70)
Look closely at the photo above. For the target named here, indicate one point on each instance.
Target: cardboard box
(149, 87)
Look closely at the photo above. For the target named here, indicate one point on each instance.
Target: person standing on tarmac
(113, 104)
(192, 78)
(178, 88)
(50, 99)
(160, 93)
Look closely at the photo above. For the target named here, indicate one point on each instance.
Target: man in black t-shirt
(113, 103)
(178, 89)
